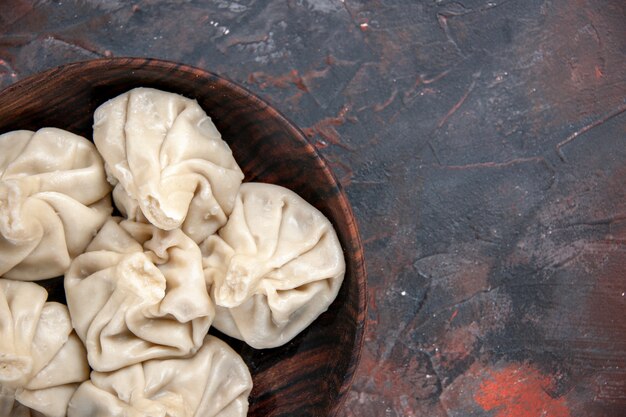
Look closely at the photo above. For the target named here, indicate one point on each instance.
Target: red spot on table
(598, 72)
(520, 391)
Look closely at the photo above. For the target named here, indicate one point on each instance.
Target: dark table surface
(482, 144)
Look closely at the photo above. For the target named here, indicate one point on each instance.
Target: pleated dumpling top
(54, 197)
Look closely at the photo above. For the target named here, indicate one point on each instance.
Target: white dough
(167, 161)
(273, 268)
(138, 293)
(213, 383)
(42, 361)
(53, 199)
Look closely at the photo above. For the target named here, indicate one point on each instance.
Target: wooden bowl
(311, 375)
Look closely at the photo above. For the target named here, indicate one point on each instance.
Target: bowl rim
(359, 262)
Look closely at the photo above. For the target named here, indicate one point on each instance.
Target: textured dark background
(483, 147)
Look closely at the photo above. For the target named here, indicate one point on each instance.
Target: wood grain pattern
(311, 375)
(482, 146)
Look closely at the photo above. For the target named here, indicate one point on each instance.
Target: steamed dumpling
(138, 293)
(167, 161)
(42, 361)
(53, 199)
(213, 383)
(274, 267)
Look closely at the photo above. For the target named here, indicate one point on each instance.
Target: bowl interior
(310, 375)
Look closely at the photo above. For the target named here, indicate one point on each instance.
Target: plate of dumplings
(171, 246)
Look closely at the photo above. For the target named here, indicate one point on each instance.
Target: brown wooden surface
(482, 145)
(311, 374)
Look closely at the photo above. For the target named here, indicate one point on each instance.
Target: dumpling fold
(215, 382)
(138, 293)
(42, 361)
(273, 268)
(167, 161)
(48, 180)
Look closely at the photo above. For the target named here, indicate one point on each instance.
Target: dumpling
(213, 383)
(138, 293)
(273, 268)
(48, 179)
(42, 361)
(167, 161)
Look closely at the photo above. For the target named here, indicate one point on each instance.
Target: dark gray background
(483, 147)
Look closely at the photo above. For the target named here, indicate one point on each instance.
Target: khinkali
(42, 361)
(213, 383)
(138, 293)
(48, 180)
(274, 267)
(167, 161)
